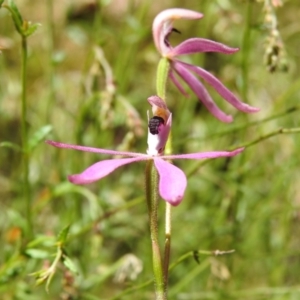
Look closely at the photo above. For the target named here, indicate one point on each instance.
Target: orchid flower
(172, 180)
(162, 28)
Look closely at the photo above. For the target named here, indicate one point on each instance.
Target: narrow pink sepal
(178, 84)
(201, 92)
(197, 45)
(101, 169)
(172, 181)
(204, 155)
(94, 150)
(222, 89)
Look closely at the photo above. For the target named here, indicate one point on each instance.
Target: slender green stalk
(242, 126)
(271, 134)
(26, 185)
(50, 37)
(168, 225)
(25, 29)
(160, 269)
(162, 77)
(152, 202)
(246, 49)
(248, 144)
(168, 216)
(161, 83)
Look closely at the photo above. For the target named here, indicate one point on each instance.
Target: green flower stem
(152, 202)
(168, 216)
(51, 70)
(162, 77)
(246, 145)
(271, 134)
(24, 29)
(161, 83)
(27, 192)
(168, 223)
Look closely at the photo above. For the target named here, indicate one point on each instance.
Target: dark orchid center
(154, 124)
(176, 30)
(166, 39)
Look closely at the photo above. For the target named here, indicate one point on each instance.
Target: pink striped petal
(94, 150)
(101, 169)
(163, 22)
(204, 155)
(177, 84)
(172, 181)
(157, 101)
(222, 90)
(201, 92)
(196, 45)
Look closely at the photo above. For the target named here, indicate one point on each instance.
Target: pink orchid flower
(162, 28)
(172, 180)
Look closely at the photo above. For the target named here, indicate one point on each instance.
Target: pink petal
(162, 25)
(100, 170)
(177, 84)
(204, 155)
(95, 150)
(196, 45)
(172, 181)
(157, 101)
(222, 90)
(201, 92)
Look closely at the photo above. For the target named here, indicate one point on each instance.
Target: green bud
(30, 28)
(62, 236)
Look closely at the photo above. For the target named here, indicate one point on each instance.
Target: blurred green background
(91, 67)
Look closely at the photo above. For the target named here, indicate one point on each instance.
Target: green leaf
(16, 16)
(38, 136)
(37, 253)
(1, 1)
(43, 240)
(11, 146)
(62, 236)
(70, 264)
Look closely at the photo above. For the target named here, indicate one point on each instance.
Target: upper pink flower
(172, 180)
(162, 28)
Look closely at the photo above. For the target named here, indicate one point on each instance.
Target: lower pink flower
(172, 180)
